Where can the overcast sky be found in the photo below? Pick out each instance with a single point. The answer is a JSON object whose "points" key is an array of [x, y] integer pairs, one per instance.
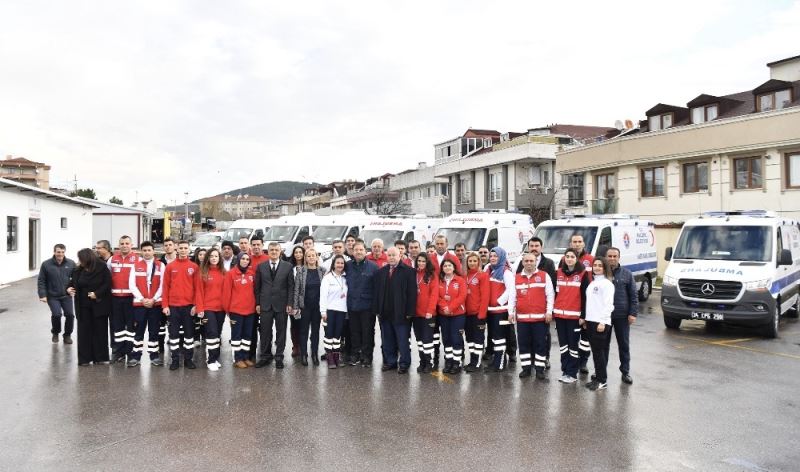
{"points": [[165, 97]]}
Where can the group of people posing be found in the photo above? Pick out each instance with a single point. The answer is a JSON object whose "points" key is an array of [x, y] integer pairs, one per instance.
{"points": [[470, 307]]}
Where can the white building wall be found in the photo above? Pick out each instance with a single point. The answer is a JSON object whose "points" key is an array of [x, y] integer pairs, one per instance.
{"points": [[14, 265]]}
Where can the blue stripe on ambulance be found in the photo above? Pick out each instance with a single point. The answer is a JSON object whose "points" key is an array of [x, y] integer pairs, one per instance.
{"points": [[783, 282], [642, 267]]}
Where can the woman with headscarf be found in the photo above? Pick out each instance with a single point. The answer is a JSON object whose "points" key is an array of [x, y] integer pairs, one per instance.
{"points": [[502, 298]]}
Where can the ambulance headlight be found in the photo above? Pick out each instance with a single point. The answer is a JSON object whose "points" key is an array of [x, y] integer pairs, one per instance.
{"points": [[670, 281], [759, 285]]}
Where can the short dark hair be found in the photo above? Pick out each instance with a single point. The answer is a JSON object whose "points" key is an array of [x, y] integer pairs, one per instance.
{"points": [[145, 244], [348, 237], [460, 245], [105, 243], [256, 238], [413, 241], [360, 242], [307, 238], [124, 236], [183, 241], [429, 245], [483, 247], [613, 248], [400, 242], [60, 246], [227, 244], [337, 241], [536, 239], [244, 237], [168, 239]]}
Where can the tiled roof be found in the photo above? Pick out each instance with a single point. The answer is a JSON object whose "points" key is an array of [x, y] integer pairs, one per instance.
{"points": [[22, 162]]}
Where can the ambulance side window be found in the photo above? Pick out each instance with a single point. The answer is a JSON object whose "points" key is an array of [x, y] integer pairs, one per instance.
{"points": [[259, 233], [409, 236], [605, 237], [491, 240], [353, 231], [780, 242]]}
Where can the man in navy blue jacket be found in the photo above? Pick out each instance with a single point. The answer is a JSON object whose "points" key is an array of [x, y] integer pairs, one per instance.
{"points": [[626, 308], [359, 274]]}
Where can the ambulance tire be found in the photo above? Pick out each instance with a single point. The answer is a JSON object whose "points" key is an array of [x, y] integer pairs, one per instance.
{"points": [[771, 330], [645, 289], [672, 323]]}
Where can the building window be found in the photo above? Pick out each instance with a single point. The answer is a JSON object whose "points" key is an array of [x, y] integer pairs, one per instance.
{"points": [[695, 177], [11, 233], [575, 190], [444, 190], [748, 173], [464, 190], [793, 170], [427, 192], [405, 196], [774, 100], [63, 223], [662, 121], [703, 114], [605, 186], [652, 182], [495, 187]]}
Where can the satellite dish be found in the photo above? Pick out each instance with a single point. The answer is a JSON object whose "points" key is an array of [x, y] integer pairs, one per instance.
{"points": [[628, 124], [618, 124]]}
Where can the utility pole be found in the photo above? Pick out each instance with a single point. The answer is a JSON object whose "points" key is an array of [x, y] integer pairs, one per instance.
{"points": [[186, 223]]}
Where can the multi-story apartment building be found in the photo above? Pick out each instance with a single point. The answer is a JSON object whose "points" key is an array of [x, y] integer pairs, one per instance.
{"points": [[19, 169], [422, 191], [235, 206], [486, 169], [716, 152]]}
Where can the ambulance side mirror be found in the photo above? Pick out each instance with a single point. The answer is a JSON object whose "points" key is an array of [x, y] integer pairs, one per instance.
{"points": [[668, 254], [785, 257], [602, 250]]}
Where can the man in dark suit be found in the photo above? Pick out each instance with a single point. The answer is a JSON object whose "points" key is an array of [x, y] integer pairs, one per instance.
{"points": [[274, 287], [395, 302], [542, 263]]}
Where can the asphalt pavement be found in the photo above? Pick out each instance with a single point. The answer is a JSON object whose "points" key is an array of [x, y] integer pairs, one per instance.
{"points": [[702, 400]]}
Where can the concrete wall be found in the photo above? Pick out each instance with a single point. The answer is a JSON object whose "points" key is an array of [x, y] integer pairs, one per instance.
{"points": [[77, 235]]}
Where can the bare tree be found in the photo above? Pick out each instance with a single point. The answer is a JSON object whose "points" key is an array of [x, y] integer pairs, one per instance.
{"points": [[382, 201], [541, 204]]}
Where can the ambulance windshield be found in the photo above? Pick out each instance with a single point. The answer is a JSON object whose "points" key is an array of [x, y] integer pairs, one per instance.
{"points": [[471, 237], [388, 236], [328, 234], [555, 239], [280, 233], [725, 243], [234, 234]]}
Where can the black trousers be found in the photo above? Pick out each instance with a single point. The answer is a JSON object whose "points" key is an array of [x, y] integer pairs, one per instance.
{"points": [[310, 319], [475, 338], [622, 331], [253, 337], [599, 343], [181, 321], [266, 321], [362, 334], [122, 325], [215, 320], [92, 336]]}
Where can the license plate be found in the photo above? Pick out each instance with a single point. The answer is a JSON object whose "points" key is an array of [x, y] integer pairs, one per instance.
{"points": [[697, 315]]}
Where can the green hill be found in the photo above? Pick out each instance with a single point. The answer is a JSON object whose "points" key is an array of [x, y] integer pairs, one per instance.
{"points": [[282, 190]]}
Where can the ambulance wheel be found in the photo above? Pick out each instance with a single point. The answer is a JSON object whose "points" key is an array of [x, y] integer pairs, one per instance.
{"points": [[645, 289], [771, 330], [672, 323]]}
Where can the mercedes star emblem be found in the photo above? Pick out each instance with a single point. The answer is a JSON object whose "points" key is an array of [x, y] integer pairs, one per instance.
{"points": [[707, 289]]}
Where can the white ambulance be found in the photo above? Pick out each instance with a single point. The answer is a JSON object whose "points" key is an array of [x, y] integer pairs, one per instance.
{"points": [[488, 228], [289, 231], [390, 228], [635, 238], [330, 228], [246, 228], [738, 266]]}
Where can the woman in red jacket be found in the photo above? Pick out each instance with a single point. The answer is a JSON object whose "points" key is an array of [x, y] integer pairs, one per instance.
{"points": [[477, 304], [452, 296], [209, 304], [427, 298], [239, 300]]}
